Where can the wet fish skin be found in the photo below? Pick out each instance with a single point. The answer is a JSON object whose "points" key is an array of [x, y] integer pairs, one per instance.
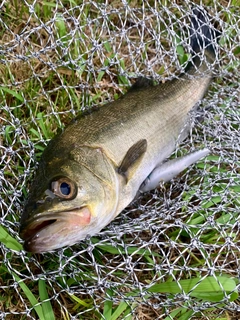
{"points": [[89, 173]]}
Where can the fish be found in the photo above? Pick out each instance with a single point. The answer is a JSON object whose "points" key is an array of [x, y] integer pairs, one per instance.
{"points": [[103, 159]]}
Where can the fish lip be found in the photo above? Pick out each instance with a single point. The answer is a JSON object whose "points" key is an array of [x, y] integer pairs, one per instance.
{"points": [[33, 226], [54, 215]]}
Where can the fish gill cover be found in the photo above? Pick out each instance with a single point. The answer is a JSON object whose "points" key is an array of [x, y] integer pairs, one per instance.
{"points": [[174, 252]]}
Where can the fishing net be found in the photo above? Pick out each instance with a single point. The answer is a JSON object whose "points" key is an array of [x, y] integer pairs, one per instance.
{"points": [[174, 252]]}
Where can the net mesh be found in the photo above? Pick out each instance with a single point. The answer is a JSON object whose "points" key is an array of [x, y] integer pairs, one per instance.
{"points": [[57, 58]]}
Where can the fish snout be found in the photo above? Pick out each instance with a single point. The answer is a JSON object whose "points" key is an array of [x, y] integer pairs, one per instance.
{"points": [[49, 231]]}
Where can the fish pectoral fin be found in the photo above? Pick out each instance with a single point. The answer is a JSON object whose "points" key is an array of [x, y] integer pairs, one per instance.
{"points": [[168, 170], [132, 158]]}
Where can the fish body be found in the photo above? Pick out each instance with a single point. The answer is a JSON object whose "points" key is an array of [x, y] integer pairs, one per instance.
{"points": [[90, 172]]}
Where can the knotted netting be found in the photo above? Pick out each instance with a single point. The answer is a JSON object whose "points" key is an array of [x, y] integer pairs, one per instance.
{"points": [[174, 252]]}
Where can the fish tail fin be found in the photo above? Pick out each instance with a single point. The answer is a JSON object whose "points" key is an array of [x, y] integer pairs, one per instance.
{"points": [[203, 34]]}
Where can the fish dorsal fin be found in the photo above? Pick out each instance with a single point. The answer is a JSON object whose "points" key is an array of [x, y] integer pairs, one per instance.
{"points": [[132, 158], [141, 83]]}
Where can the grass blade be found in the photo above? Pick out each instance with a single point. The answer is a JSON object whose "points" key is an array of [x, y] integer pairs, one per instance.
{"points": [[35, 304], [9, 241], [108, 306], [46, 304], [119, 310], [210, 288], [12, 93]]}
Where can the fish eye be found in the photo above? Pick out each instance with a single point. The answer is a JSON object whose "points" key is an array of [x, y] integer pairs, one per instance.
{"points": [[64, 188]]}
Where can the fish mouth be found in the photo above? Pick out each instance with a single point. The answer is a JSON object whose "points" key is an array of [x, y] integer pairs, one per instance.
{"points": [[49, 231]]}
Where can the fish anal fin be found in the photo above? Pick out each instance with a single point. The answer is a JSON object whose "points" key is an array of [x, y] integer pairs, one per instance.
{"points": [[168, 170], [132, 159]]}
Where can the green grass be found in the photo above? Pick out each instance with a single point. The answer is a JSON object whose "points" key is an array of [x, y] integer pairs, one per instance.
{"points": [[42, 305], [8, 240], [35, 111]]}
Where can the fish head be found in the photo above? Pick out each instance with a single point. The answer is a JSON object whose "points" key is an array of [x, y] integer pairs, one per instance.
{"points": [[66, 203]]}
